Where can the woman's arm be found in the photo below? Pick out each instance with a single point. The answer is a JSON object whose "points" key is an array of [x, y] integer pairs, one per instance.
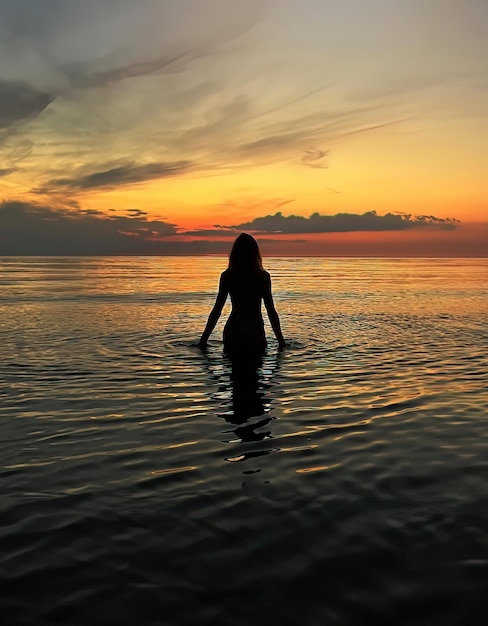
{"points": [[274, 320], [213, 318]]}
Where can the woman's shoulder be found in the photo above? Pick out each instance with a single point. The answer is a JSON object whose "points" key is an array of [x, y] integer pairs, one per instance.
{"points": [[225, 276]]}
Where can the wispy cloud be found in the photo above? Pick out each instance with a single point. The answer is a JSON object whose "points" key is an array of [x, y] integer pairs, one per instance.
{"points": [[118, 176], [83, 76], [212, 232], [20, 102], [207, 94], [313, 157], [122, 79]]}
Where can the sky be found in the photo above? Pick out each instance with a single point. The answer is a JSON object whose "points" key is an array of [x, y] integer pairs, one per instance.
{"points": [[324, 127]]}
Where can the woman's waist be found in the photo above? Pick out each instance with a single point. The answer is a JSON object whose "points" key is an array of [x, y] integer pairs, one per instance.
{"points": [[245, 322]]}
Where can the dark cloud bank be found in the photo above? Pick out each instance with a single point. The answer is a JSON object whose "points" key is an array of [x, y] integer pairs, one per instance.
{"points": [[344, 222], [27, 229], [30, 229]]}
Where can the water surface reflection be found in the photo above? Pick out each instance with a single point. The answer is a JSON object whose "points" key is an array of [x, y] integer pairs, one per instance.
{"points": [[245, 399]]}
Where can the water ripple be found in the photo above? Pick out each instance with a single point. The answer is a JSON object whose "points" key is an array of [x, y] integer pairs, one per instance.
{"points": [[341, 483]]}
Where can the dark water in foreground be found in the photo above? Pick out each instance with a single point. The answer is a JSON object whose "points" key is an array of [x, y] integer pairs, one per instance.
{"points": [[135, 487]]}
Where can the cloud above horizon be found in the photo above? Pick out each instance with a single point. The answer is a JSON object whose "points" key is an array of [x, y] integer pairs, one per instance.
{"points": [[27, 228], [369, 221]]}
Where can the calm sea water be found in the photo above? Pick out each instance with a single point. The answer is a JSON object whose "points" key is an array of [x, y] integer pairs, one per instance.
{"points": [[141, 484]]}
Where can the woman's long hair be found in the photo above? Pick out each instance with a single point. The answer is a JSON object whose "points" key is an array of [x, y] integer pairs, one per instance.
{"points": [[245, 255]]}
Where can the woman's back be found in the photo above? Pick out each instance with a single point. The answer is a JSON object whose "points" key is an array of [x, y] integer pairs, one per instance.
{"points": [[244, 330], [246, 290]]}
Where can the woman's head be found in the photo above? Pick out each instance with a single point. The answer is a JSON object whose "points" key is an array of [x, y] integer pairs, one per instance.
{"points": [[245, 254]]}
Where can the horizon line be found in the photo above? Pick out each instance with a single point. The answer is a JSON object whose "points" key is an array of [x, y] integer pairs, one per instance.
{"points": [[224, 255]]}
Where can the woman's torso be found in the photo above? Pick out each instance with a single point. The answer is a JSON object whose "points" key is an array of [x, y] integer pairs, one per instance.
{"points": [[245, 323]]}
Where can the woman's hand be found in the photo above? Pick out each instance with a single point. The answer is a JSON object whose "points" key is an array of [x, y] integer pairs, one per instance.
{"points": [[202, 344]]}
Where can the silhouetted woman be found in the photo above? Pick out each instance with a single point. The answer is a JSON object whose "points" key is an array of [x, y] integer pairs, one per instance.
{"points": [[248, 284]]}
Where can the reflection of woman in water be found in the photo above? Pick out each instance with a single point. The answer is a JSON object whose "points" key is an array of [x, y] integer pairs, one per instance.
{"points": [[247, 283]]}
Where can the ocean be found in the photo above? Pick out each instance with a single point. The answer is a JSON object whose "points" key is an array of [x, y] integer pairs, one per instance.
{"points": [[142, 483]]}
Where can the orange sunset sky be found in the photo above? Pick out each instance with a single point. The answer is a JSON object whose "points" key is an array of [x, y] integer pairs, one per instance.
{"points": [[166, 127]]}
